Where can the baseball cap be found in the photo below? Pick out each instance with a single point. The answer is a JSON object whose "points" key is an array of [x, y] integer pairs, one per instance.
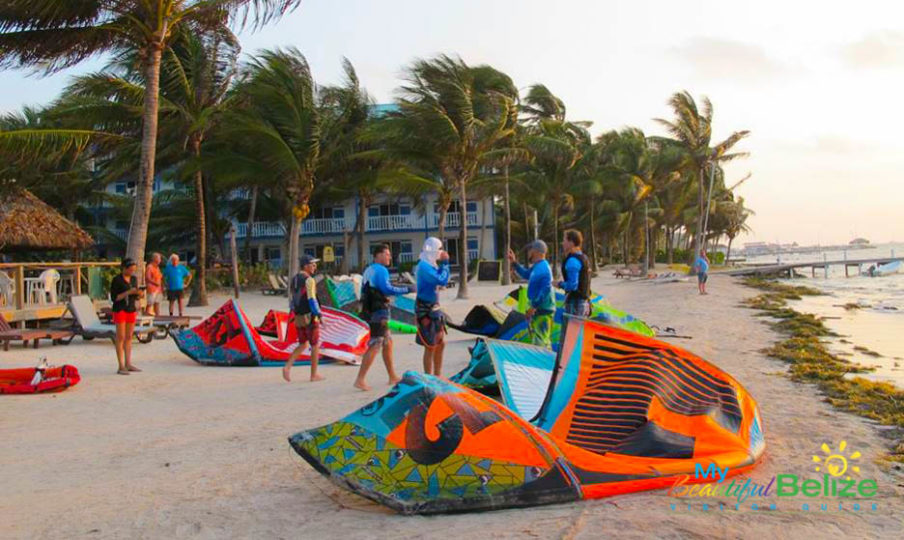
{"points": [[307, 259], [537, 245]]}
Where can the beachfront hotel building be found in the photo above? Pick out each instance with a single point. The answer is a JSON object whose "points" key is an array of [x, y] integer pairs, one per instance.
{"points": [[397, 221]]}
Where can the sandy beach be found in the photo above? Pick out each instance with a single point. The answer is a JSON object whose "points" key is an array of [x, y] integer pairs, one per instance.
{"points": [[186, 451]]}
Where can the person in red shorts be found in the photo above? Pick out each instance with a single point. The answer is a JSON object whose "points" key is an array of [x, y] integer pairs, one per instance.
{"points": [[124, 293], [306, 316]]}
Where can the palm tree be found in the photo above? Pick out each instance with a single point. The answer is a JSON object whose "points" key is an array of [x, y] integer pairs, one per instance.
{"points": [[275, 129], [451, 117], [52, 35], [737, 215], [692, 128]]}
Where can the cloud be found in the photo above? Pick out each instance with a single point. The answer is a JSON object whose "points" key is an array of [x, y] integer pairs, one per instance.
{"points": [[720, 58], [877, 50]]}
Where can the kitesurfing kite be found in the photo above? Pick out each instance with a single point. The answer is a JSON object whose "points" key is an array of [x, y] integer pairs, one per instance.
{"points": [[613, 412], [228, 338]]}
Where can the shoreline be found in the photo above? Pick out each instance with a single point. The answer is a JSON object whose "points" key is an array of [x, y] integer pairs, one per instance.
{"points": [[187, 451]]}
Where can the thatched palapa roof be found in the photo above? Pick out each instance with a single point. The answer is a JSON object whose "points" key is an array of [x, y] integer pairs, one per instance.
{"points": [[28, 223]]}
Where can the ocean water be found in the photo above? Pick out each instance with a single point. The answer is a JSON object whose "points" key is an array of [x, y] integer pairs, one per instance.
{"points": [[878, 325]]}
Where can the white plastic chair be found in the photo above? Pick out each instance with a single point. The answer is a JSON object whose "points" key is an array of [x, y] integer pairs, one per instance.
{"points": [[7, 289], [45, 286]]}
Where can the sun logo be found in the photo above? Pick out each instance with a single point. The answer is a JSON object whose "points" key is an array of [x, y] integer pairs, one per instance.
{"points": [[836, 463]]}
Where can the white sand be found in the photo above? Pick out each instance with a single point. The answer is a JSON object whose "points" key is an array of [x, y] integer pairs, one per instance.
{"points": [[185, 451]]}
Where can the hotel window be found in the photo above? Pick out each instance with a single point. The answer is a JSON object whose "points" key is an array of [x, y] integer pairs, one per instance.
{"points": [[472, 206], [120, 187], [406, 246], [472, 243]]}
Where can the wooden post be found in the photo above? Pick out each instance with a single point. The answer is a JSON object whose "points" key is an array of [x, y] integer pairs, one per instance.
{"points": [[78, 280], [825, 265], [235, 260], [345, 253], [20, 287]]}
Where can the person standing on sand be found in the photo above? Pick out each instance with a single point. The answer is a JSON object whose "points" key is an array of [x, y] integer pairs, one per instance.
{"points": [[375, 293], [539, 292], [124, 293], [701, 265], [306, 316], [576, 275], [432, 272], [153, 278], [176, 282]]}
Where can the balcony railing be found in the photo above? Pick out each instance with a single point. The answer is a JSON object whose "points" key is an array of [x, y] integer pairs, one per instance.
{"points": [[453, 219], [123, 234], [406, 257], [260, 229], [324, 226], [472, 254], [390, 222]]}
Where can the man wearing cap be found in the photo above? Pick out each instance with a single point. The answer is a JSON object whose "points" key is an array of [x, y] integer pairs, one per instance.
{"points": [[124, 293], [306, 316], [539, 292]]}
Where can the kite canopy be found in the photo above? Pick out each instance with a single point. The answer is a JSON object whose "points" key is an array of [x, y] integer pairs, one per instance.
{"points": [[482, 320], [613, 413], [227, 338]]}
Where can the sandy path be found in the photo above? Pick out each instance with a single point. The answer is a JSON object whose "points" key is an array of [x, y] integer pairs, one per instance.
{"points": [[185, 451]]}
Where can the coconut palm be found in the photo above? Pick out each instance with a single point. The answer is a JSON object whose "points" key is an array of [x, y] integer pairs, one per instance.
{"points": [[52, 35], [451, 117], [692, 128], [274, 129]]}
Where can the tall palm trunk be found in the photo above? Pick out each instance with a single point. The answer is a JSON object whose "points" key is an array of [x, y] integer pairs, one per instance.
{"points": [[141, 210], [293, 247], [249, 227], [555, 241], [728, 251], [506, 263], [698, 240], [463, 241], [593, 267], [359, 230], [199, 294], [670, 239], [443, 210], [483, 230]]}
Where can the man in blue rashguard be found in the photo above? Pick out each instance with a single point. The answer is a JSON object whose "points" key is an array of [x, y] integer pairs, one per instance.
{"points": [[539, 292], [375, 293], [432, 272], [576, 274]]}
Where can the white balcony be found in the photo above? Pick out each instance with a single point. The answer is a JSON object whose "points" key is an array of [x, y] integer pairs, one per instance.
{"points": [[390, 223], [406, 257], [472, 254], [324, 226], [122, 234], [453, 219]]}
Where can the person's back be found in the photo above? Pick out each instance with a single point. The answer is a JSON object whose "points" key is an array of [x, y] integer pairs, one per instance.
{"points": [[429, 278], [702, 264]]}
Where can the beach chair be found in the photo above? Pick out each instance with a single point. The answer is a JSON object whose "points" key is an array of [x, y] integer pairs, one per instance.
{"points": [[409, 278], [631, 271], [163, 323], [275, 287], [283, 281], [9, 334], [44, 288], [88, 325]]}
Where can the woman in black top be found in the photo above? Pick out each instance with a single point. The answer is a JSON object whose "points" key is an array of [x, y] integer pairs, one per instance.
{"points": [[125, 293]]}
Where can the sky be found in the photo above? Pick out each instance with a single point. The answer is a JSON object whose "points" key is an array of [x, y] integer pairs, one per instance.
{"points": [[820, 87]]}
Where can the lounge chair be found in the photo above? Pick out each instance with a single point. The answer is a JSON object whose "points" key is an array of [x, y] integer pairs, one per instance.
{"points": [[164, 323], [632, 270], [88, 325], [283, 281], [35, 335], [275, 286], [7, 290]]}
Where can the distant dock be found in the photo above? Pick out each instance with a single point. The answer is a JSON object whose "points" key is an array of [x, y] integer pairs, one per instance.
{"points": [[779, 269]]}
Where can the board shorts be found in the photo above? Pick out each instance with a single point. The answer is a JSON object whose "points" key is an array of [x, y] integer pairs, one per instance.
{"points": [[125, 317], [174, 295], [379, 327], [577, 307], [540, 326], [154, 298], [308, 333], [702, 277], [431, 323]]}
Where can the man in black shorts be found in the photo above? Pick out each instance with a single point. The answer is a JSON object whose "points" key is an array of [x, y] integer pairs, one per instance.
{"points": [[375, 293]]}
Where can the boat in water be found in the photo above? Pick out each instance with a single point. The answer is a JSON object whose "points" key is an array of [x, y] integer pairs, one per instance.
{"points": [[884, 269]]}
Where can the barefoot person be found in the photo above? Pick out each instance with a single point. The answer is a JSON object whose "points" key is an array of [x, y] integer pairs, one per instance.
{"points": [[375, 293], [124, 293], [701, 265], [176, 282], [539, 292], [306, 316], [432, 272], [153, 278], [575, 274]]}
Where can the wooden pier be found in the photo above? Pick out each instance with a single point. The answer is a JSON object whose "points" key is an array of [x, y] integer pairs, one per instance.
{"points": [[780, 269]]}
